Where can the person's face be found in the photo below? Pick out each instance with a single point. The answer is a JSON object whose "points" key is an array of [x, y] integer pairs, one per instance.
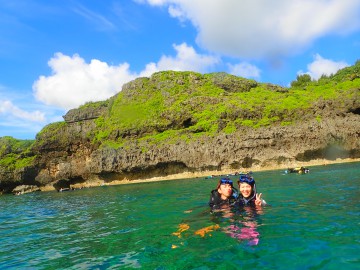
{"points": [[225, 190], [245, 189]]}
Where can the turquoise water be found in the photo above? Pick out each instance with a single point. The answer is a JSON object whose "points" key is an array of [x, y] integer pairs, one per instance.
{"points": [[312, 223]]}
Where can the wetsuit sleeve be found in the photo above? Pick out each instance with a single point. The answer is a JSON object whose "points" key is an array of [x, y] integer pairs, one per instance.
{"points": [[214, 199]]}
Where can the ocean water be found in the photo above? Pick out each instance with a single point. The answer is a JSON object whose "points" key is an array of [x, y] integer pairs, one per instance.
{"points": [[312, 222]]}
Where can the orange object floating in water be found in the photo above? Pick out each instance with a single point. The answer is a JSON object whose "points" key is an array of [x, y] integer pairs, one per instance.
{"points": [[202, 232], [182, 228]]}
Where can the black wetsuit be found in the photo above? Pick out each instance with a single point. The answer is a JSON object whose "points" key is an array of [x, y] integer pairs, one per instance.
{"points": [[241, 201], [216, 202]]}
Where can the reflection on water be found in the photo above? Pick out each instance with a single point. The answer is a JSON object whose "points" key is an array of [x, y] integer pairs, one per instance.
{"points": [[244, 227], [312, 223], [240, 224]]}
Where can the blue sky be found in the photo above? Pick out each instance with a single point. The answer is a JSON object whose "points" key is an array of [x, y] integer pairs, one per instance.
{"points": [[57, 55]]}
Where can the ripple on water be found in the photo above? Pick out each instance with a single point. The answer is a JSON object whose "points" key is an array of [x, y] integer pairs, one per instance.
{"points": [[311, 223], [128, 259]]}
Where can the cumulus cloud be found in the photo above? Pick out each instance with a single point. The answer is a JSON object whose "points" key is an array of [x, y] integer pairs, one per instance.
{"points": [[244, 70], [186, 59], [262, 28], [74, 82], [321, 66], [7, 108]]}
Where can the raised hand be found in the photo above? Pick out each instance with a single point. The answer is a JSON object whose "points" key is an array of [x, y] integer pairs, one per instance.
{"points": [[258, 200]]}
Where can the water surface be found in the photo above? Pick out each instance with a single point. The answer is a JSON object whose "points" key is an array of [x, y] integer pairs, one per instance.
{"points": [[312, 223]]}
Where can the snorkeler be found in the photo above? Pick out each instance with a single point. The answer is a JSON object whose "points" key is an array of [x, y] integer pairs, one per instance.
{"points": [[224, 195], [248, 194]]}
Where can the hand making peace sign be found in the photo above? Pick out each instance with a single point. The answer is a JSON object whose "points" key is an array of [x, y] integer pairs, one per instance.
{"points": [[258, 200]]}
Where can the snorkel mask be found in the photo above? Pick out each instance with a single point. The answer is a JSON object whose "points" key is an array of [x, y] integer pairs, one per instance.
{"points": [[226, 180], [246, 178]]}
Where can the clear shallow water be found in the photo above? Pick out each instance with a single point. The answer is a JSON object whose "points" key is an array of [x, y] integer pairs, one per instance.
{"points": [[312, 223]]}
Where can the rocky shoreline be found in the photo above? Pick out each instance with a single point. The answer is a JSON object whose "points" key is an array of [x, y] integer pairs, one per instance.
{"points": [[192, 175], [177, 125]]}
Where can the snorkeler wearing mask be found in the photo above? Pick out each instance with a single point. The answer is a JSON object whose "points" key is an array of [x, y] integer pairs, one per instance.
{"points": [[224, 195], [248, 194]]}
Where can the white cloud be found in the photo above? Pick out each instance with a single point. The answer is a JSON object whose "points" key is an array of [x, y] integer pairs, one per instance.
{"points": [[75, 82], [152, 2], [101, 22], [7, 108], [186, 59], [263, 28], [245, 70], [322, 66]]}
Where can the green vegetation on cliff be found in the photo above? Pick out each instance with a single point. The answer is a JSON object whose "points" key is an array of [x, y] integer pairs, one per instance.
{"points": [[178, 121], [172, 106], [10, 145], [14, 153]]}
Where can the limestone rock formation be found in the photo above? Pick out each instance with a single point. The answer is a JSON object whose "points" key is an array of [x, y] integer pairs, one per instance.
{"points": [[94, 145], [22, 189]]}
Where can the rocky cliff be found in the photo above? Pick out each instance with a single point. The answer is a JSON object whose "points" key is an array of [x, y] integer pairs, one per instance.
{"points": [[154, 128]]}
